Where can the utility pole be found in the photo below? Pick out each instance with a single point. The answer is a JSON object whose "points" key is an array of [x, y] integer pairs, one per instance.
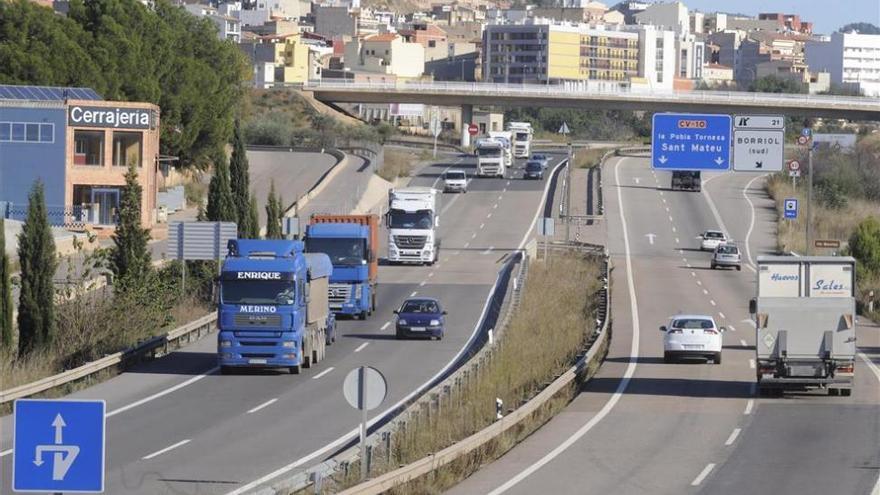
{"points": [[810, 198]]}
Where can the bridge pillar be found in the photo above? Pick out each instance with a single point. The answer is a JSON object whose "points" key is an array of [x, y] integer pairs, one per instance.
{"points": [[467, 117]]}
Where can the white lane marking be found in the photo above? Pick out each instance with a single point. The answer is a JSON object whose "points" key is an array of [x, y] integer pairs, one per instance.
{"points": [[361, 347], [474, 235], [508, 183], [430, 274], [752, 363], [488, 250], [166, 449], [319, 375], [751, 264], [732, 328], [705, 472], [674, 230], [705, 191], [732, 437], [670, 218], [872, 366], [651, 238], [743, 342], [386, 325], [749, 405], [265, 404], [699, 282], [627, 375], [5, 453], [676, 240], [162, 393], [722, 315], [495, 206], [712, 302], [414, 293], [466, 245], [422, 283], [705, 292], [684, 259], [751, 322], [693, 274], [689, 265], [489, 215], [482, 225], [636, 179]]}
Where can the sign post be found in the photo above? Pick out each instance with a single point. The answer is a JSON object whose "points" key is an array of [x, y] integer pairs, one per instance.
{"points": [[435, 127], [794, 170], [199, 241], [690, 142], [565, 131], [59, 446], [365, 389], [758, 143], [546, 229]]}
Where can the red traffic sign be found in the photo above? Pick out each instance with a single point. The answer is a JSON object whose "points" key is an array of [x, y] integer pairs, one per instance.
{"points": [[794, 165], [803, 139], [473, 129]]}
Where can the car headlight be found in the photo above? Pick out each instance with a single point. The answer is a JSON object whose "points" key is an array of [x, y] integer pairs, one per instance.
{"points": [[435, 323], [225, 343], [358, 290], [289, 344], [401, 322]]}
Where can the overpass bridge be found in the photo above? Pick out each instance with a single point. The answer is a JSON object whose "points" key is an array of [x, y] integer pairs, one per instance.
{"points": [[532, 95]]}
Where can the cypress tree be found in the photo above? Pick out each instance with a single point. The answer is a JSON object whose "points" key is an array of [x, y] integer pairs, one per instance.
{"points": [[240, 183], [221, 206], [130, 257], [273, 214], [36, 253], [254, 218], [5, 293]]}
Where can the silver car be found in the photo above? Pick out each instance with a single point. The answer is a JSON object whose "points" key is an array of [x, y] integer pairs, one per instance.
{"points": [[727, 255]]}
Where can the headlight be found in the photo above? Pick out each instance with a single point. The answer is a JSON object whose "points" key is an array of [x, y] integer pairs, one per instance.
{"points": [[225, 343], [401, 322], [225, 355], [290, 344], [358, 290], [435, 323]]}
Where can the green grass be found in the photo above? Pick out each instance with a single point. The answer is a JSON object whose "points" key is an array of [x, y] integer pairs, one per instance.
{"points": [[588, 158], [399, 163]]}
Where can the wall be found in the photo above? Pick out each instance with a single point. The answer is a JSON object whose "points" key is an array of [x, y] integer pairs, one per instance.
{"points": [[334, 22], [23, 163], [826, 56], [563, 54]]}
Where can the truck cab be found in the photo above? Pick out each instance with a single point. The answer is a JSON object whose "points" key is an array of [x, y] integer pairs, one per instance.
{"points": [[522, 138], [413, 222], [491, 158]]}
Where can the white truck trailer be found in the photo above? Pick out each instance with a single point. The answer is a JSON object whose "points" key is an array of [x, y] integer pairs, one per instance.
{"points": [[491, 158], [413, 222], [505, 137], [522, 138], [804, 315]]}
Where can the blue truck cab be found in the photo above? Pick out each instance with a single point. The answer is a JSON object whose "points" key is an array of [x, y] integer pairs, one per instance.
{"points": [[273, 310]]}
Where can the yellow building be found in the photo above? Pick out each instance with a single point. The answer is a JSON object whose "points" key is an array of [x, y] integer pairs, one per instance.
{"points": [[281, 59]]}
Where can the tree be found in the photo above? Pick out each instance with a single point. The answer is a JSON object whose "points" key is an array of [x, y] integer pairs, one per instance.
{"points": [[864, 246], [861, 28], [240, 185], [773, 84], [221, 204], [130, 257], [254, 218], [274, 212], [36, 254], [5, 293]]}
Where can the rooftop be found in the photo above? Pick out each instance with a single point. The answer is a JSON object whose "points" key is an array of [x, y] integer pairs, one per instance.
{"points": [[46, 93], [382, 37]]}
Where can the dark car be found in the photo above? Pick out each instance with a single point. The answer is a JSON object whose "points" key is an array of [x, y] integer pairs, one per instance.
{"points": [[534, 170], [422, 317]]}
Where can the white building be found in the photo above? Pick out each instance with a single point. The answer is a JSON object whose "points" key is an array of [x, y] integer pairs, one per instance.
{"points": [[672, 16], [852, 59], [226, 18]]}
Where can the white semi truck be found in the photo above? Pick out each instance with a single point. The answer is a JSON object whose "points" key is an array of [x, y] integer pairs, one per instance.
{"points": [[491, 158], [413, 221], [804, 316], [522, 138], [505, 137]]}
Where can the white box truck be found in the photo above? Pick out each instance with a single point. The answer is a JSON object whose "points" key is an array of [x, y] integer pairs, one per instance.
{"points": [[491, 158], [413, 221], [522, 138], [804, 315]]}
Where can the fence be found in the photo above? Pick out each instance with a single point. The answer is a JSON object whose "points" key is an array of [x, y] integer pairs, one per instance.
{"points": [[69, 216]]}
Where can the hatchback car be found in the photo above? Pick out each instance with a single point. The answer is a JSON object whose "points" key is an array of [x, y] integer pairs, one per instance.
{"points": [[692, 336], [455, 181], [727, 256], [710, 239], [534, 170], [422, 317]]}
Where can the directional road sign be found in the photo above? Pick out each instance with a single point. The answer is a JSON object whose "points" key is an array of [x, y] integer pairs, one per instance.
{"points": [[690, 142], [758, 143], [58, 446], [791, 208]]}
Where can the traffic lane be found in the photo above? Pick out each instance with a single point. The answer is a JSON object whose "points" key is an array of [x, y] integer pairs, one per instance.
{"points": [[312, 415]]}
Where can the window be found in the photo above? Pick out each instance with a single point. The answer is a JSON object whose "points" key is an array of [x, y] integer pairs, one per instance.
{"points": [[5, 131], [27, 132], [432, 44], [47, 133], [32, 132], [88, 148], [126, 149], [17, 131]]}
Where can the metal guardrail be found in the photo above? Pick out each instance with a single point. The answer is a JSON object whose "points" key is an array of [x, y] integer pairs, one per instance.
{"points": [[156, 347]]}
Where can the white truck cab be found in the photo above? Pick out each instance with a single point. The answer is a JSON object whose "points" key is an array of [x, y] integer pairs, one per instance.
{"points": [[491, 158], [413, 219], [522, 138]]}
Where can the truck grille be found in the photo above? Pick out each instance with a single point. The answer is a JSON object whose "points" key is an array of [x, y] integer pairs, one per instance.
{"points": [[258, 321], [337, 294], [410, 241]]}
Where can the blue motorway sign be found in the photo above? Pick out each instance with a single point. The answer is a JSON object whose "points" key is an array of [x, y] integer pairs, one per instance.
{"points": [[690, 142], [58, 446], [791, 208]]}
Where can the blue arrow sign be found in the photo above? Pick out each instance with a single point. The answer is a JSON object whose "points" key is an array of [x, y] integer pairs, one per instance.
{"points": [[690, 142], [791, 208], [58, 446]]}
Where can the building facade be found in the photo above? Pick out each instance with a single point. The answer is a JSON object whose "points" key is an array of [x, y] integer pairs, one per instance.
{"points": [[385, 54], [851, 59], [80, 147]]}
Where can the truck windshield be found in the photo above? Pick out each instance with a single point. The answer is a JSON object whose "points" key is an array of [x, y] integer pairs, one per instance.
{"points": [[489, 152], [342, 251], [257, 292], [399, 219], [522, 136]]}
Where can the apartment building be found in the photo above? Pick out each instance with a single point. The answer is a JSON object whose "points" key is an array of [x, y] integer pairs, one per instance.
{"points": [[278, 59], [225, 18], [385, 53], [852, 60]]}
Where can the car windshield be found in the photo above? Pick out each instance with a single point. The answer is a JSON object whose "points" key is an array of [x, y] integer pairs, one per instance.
{"points": [[713, 235], [399, 219], [533, 166], [257, 292], [539, 157], [454, 175], [692, 323], [489, 152], [728, 250], [420, 307], [342, 251]]}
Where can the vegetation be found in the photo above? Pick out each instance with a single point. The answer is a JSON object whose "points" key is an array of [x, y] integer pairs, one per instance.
{"points": [[274, 214], [861, 28], [602, 125], [774, 84], [36, 252], [397, 163], [240, 186], [6, 329], [126, 51], [221, 203], [131, 261], [588, 157]]}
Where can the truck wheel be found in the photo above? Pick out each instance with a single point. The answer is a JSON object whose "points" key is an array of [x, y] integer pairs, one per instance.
{"points": [[226, 370], [845, 392], [713, 266], [739, 268], [307, 356], [833, 391], [294, 370], [717, 358], [667, 358]]}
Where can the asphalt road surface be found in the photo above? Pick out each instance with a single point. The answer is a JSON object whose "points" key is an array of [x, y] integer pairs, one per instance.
{"points": [[645, 427], [177, 426]]}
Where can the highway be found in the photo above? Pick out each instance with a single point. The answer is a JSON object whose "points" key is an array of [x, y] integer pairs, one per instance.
{"points": [[642, 426], [177, 426]]}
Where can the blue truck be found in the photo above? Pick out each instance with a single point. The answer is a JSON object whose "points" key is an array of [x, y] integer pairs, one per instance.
{"points": [[351, 243], [273, 310]]}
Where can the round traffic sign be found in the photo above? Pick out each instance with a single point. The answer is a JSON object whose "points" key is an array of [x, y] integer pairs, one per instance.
{"points": [[806, 132], [364, 388], [794, 165], [473, 129], [803, 139]]}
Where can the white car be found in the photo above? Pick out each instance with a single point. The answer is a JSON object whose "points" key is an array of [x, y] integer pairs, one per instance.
{"points": [[727, 255], [455, 180], [692, 336], [711, 239]]}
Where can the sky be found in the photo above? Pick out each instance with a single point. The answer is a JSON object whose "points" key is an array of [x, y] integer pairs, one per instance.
{"points": [[827, 16]]}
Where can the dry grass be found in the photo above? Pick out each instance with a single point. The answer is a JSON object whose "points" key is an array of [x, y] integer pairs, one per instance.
{"points": [[558, 304], [398, 163], [588, 158]]}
